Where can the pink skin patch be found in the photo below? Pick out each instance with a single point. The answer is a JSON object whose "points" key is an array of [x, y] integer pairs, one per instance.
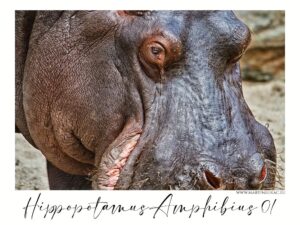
{"points": [[113, 162]]}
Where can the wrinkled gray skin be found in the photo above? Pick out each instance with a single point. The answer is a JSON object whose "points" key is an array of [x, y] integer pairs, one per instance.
{"points": [[83, 78]]}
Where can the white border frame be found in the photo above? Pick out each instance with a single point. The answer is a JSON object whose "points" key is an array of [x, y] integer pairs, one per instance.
{"points": [[13, 201]]}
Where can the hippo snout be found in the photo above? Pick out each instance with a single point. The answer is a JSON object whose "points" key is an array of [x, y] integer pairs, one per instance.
{"points": [[213, 176], [249, 176]]}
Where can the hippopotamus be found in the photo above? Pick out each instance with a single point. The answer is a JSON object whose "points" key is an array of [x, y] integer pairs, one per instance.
{"points": [[139, 100]]}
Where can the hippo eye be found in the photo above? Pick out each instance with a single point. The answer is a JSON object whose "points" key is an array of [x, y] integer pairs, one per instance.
{"points": [[158, 52], [155, 50], [153, 58], [133, 12]]}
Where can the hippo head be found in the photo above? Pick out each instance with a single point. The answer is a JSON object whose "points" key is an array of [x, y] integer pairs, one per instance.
{"points": [[194, 129], [156, 99]]}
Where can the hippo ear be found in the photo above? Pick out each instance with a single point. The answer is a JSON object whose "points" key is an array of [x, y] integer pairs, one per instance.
{"points": [[133, 12]]}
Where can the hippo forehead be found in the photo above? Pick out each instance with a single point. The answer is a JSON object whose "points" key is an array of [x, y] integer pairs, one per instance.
{"points": [[207, 35], [180, 22]]}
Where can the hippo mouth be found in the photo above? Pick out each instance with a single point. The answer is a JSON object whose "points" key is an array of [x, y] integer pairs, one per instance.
{"points": [[115, 157]]}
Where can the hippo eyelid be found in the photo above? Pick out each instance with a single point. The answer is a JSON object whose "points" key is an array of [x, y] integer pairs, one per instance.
{"points": [[155, 50], [138, 13]]}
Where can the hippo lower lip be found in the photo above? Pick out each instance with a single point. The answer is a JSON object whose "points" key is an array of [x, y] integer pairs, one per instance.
{"points": [[116, 155], [113, 162]]}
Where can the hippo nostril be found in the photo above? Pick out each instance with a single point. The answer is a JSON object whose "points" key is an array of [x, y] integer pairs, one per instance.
{"points": [[258, 180], [263, 174], [212, 180]]}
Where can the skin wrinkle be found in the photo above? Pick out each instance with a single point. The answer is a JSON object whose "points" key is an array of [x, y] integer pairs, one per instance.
{"points": [[205, 118], [68, 143], [139, 80], [84, 51], [81, 131], [125, 179], [61, 154]]}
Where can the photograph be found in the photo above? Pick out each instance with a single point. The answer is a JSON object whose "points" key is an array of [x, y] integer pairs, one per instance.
{"points": [[150, 100]]}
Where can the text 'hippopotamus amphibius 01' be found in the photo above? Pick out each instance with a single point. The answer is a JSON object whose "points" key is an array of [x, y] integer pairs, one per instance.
{"points": [[139, 100]]}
